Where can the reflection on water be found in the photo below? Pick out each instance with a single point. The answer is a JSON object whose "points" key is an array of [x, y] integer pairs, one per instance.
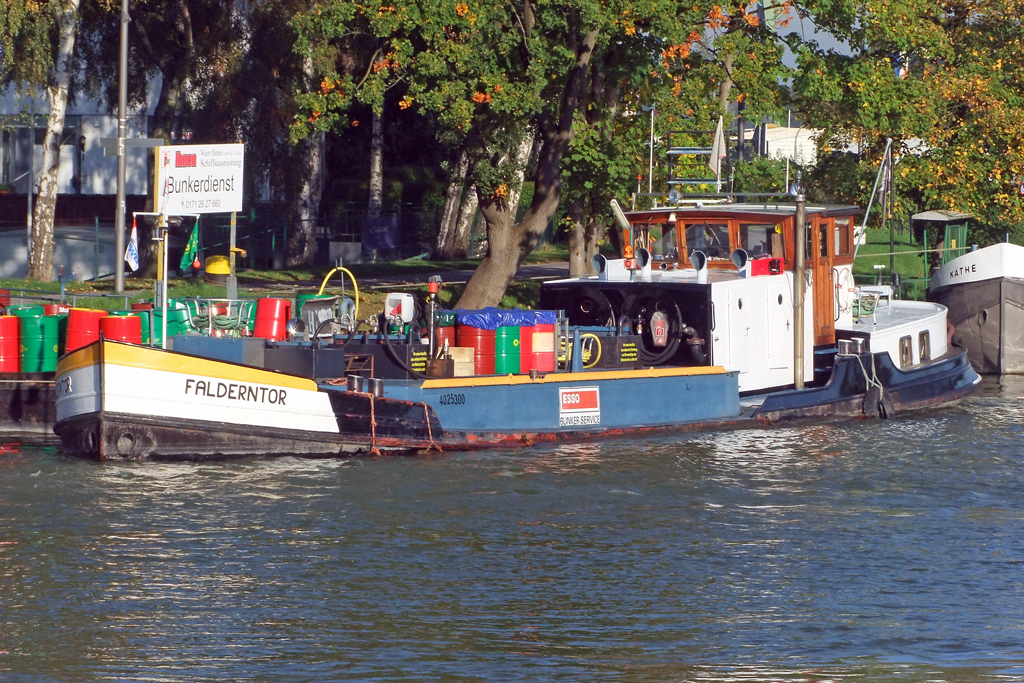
{"points": [[878, 551]]}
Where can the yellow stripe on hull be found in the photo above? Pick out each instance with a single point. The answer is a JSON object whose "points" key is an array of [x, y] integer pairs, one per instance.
{"points": [[562, 377], [128, 355]]}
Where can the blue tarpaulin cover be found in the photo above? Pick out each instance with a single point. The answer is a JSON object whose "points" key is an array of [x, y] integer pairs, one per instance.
{"points": [[483, 319], [546, 317], [492, 318], [517, 317]]}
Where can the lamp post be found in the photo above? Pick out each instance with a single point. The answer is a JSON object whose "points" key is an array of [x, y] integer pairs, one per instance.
{"points": [[122, 124]]}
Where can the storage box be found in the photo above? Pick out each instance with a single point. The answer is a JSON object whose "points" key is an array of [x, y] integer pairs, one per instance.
{"points": [[463, 357], [766, 266]]}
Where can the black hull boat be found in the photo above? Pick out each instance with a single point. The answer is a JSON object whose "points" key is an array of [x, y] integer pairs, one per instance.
{"points": [[984, 292]]}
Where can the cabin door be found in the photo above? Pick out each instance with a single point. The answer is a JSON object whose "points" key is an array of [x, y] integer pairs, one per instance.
{"points": [[821, 258]]}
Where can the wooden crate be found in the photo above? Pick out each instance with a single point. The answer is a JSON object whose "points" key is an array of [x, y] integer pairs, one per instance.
{"points": [[463, 357]]}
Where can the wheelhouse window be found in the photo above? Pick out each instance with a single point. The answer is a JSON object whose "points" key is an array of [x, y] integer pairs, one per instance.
{"points": [[710, 238], [661, 240], [844, 236], [823, 240], [759, 239]]}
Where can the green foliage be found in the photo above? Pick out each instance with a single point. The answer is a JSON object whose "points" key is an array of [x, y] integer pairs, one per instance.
{"points": [[942, 80], [763, 175]]}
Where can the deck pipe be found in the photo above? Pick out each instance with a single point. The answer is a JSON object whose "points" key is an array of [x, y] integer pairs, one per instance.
{"points": [[800, 191]]}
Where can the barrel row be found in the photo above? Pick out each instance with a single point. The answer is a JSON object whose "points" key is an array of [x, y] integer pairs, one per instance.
{"points": [[503, 342]]}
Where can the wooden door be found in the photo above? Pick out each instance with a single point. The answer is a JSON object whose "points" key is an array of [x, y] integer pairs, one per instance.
{"points": [[820, 259]]}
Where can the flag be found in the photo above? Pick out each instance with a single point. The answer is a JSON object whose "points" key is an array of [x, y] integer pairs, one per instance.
{"points": [[191, 255], [131, 253], [718, 151]]}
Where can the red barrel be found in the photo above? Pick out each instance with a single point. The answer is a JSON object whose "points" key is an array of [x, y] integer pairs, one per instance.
{"points": [[5, 298], [143, 306], [482, 343], [56, 309], [542, 347], [83, 327], [444, 334], [126, 328], [526, 349], [9, 344], [271, 318]]}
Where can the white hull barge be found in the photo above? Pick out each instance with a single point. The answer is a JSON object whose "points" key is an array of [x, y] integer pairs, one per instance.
{"points": [[984, 292]]}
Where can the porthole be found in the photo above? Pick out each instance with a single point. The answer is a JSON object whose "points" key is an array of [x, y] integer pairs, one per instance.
{"points": [[739, 303], [906, 352], [780, 299]]}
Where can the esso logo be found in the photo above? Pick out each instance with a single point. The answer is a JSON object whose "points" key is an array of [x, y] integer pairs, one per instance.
{"points": [[570, 399]]}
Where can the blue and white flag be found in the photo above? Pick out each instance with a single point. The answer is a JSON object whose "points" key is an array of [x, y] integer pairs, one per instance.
{"points": [[131, 253]]}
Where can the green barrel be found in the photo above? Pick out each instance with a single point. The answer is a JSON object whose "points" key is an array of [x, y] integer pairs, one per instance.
{"points": [[39, 336], [506, 350], [26, 311], [62, 331], [177, 322], [144, 317]]}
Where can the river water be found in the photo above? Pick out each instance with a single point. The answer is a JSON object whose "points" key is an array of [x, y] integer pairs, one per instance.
{"points": [[852, 551]]}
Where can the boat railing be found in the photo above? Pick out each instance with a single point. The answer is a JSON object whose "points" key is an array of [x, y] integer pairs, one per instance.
{"points": [[868, 298], [219, 317]]}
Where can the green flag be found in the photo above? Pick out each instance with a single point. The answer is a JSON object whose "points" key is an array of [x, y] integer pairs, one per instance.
{"points": [[191, 251]]}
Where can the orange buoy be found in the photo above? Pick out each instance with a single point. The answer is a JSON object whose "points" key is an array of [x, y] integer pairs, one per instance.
{"points": [[9, 344], [126, 328], [271, 318], [83, 327]]}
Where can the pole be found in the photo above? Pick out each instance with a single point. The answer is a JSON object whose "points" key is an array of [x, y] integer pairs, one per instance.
{"points": [[886, 210], [163, 282], [871, 199], [31, 181], [650, 162], [232, 290], [800, 190], [122, 124]]}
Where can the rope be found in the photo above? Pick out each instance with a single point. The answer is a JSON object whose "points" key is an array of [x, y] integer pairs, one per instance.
{"points": [[868, 381], [373, 428], [430, 433]]}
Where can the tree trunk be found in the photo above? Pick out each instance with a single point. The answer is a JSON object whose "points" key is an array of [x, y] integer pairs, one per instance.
{"points": [[594, 232], [725, 88], [40, 264], [578, 261], [302, 246], [522, 157], [467, 213], [510, 244], [450, 215], [376, 167]]}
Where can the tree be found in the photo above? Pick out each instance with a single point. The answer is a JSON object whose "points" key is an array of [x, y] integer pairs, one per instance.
{"points": [[943, 81], [38, 41], [492, 74]]}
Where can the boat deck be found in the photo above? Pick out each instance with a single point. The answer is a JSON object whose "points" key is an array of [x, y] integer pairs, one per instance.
{"points": [[889, 315]]}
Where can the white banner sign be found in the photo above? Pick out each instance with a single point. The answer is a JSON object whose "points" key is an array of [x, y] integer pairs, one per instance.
{"points": [[198, 179]]}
